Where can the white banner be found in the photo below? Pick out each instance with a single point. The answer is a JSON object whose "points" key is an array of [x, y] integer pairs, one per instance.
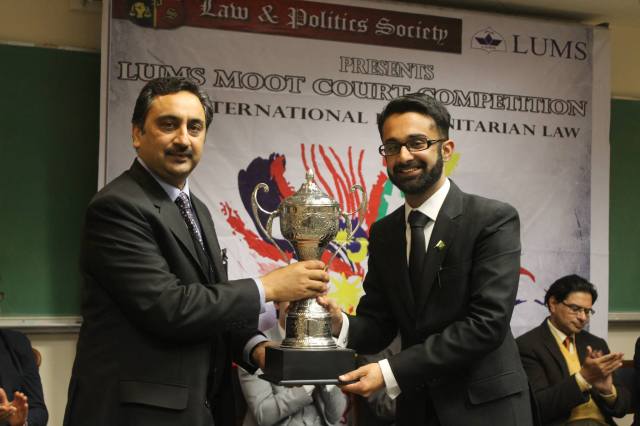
{"points": [[298, 84]]}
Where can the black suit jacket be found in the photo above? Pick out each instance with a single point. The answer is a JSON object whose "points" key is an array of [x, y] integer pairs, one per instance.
{"points": [[556, 392], [19, 372], [159, 330], [458, 356]]}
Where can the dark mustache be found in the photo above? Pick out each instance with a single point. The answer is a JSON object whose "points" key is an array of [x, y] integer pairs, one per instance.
{"points": [[177, 151], [408, 165]]}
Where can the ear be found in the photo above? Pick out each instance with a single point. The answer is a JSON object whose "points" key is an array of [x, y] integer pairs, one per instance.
{"points": [[135, 136], [447, 149], [553, 304]]}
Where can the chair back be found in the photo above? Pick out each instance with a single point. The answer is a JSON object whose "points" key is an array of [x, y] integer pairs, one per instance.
{"points": [[626, 375], [37, 356]]}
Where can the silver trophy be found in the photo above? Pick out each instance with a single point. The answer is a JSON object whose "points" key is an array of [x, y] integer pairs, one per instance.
{"points": [[309, 221]]}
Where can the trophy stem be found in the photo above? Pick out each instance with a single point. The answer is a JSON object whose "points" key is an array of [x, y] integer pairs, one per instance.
{"points": [[308, 326]]}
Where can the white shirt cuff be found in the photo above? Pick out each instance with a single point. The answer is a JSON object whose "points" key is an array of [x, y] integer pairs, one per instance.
{"points": [[267, 319], [393, 390], [343, 337], [258, 282], [246, 353]]}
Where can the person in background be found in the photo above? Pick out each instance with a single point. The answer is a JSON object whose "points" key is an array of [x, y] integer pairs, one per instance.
{"points": [[21, 396], [570, 369], [308, 405]]}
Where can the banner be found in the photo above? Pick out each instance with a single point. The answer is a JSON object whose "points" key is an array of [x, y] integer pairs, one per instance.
{"points": [[297, 85]]}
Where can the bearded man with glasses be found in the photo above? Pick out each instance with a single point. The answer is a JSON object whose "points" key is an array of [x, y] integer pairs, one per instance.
{"points": [[443, 273], [570, 369]]}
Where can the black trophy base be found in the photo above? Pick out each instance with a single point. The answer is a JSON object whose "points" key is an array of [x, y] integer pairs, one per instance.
{"points": [[294, 367]]}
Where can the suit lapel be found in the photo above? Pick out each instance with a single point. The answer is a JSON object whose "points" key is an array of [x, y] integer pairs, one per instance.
{"points": [[444, 231], [551, 346], [167, 210], [210, 238]]}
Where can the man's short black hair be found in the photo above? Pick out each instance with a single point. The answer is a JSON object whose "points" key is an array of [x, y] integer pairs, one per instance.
{"points": [[166, 86], [564, 286], [422, 104]]}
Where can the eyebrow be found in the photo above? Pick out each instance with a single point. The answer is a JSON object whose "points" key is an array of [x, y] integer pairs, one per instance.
{"points": [[167, 117], [579, 306], [176, 118], [411, 136]]}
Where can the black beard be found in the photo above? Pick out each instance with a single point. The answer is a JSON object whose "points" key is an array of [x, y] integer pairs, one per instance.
{"points": [[421, 183]]}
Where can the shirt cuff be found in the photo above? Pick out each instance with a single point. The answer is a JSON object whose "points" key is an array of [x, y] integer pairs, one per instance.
{"points": [[246, 353], [343, 337], [582, 383], [610, 399], [258, 282], [393, 390], [268, 319]]}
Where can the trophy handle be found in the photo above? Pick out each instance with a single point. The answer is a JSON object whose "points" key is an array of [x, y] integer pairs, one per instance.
{"points": [[272, 215], [362, 208]]}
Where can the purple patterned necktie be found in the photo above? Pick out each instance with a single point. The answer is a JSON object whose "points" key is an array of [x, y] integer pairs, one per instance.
{"points": [[189, 217]]}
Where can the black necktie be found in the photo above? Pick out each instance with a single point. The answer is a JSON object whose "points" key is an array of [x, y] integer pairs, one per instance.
{"points": [[189, 218], [417, 252]]}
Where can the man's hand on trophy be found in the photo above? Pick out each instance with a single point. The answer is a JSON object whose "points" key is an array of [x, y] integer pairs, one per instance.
{"points": [[335, 311], [300, 280], [363, 381]]}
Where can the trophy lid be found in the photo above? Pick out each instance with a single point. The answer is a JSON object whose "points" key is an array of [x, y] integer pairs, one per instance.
{"points": [[310, 194]]}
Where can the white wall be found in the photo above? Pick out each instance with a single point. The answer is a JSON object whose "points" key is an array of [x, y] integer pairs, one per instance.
{"points": [[55, 22], [58, 352]]}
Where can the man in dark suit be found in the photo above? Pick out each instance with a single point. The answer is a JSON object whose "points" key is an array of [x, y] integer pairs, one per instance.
{"points": [[161, 322], [20, 381], [570, 369], [448, 287]]}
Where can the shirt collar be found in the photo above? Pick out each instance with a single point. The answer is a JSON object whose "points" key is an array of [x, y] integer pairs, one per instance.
{"points": [[171, 190], [432, 205], [557, 334]]}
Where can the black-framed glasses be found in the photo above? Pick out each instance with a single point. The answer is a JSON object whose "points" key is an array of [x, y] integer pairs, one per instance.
{"points": [[413, 144], [575, 309]]}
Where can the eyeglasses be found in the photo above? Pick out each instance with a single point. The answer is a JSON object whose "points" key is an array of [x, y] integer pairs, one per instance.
{"points": [[413, 144], [575, 309]]}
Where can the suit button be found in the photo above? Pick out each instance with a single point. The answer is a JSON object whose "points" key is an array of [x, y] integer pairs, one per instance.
{"points": [[207, 403]]}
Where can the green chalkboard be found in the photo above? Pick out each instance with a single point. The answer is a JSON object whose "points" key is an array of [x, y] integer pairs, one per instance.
{"points": [[49, 110], [624, 213]]}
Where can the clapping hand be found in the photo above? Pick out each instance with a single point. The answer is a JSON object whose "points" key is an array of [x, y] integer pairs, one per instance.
{"points": [[15, 412], [598, 369]]}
